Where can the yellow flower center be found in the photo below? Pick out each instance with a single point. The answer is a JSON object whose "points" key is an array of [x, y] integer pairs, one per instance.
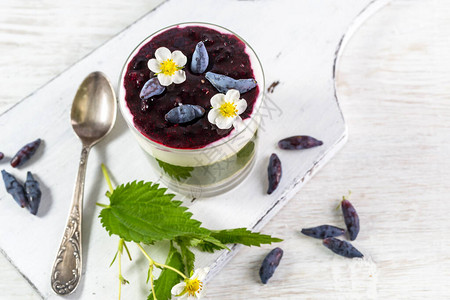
{"points": [[168, 67], [228, 110], [193, 286]]}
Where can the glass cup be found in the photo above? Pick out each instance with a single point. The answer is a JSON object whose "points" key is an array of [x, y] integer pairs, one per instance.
{"points": [[219, 166]]}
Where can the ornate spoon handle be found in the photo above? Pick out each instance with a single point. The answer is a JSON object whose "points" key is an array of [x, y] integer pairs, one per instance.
{"points": [[66, 272]]}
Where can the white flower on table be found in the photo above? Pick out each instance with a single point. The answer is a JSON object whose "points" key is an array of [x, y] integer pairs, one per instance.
{"points": [[191, 288], [226, 109], [168, 66]]}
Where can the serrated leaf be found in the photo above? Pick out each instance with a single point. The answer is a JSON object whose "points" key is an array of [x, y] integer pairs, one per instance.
{"points": [[176, 172], [206, 243], [207, 247], [212, 240], [144, 213], [187, 254], [168, 278], [243, 236]]}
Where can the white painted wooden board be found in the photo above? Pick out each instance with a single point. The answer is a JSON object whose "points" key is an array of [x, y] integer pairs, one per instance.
{"points": [[60, 154]]}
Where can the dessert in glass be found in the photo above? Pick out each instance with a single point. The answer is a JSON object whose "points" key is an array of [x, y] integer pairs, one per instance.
{"points": [[191, 94]]}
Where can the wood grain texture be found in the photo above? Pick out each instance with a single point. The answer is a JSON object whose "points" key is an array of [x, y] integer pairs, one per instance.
{"points": [[394, 90], [245, 206], [72, 29]]}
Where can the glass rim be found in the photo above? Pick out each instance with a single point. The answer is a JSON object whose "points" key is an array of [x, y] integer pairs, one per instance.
{"points": [[127, 114]]}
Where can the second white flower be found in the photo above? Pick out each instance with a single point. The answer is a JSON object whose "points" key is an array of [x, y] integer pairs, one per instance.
{"points": [[191, 288], [226, 109]]}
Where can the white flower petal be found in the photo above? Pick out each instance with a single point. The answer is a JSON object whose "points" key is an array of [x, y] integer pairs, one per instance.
{"points": [[163, 54], [179, 77], [165, 80], [179, 58], [224, 122], [241, 106], [201, 273], [191, 298], [178, 288], [232, 95], [154, 65], [212, 115], [217, 100], [238, 124]]}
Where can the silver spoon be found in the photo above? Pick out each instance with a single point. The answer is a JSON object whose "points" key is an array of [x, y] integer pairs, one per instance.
{"points": [[93, 115]]}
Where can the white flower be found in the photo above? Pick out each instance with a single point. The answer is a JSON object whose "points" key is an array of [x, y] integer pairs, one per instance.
{"points": [[226, 109], [191, 288], [168, 66]]}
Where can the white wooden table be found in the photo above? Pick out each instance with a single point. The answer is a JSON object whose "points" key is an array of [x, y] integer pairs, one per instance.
{"points": [[394, 88]]}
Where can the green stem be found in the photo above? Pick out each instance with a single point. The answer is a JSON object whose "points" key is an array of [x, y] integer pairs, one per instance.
{"points": [[120, 274], [102, 205], [120, 250], [347, 197], [170, 268], [151, 282], [152, 262], [344, 198], [108, 180], [128, 251]]}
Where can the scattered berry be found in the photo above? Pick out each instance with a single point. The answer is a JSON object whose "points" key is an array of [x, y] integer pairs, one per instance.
{"points": [[299, 142], [25, 153], [33, 193], [323, 231], [15, 189], [274, 173], [342, 248], [351, 219], [269, 264]]}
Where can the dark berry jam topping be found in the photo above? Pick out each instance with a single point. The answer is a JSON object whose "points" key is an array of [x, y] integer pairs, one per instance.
{"points": [[226, 56]]}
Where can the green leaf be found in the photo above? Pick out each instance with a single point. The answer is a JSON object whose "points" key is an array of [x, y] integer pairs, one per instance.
{"points": [[208, 247], [144, 213], [168, 278], [176, 172], [187, 254], [243, 236], [206, 244], [234, 236], [114, 259], [213, 241]]}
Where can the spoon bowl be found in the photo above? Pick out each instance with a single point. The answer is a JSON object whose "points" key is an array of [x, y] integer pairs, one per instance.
{"points": [[93, 116], [93, 111]]}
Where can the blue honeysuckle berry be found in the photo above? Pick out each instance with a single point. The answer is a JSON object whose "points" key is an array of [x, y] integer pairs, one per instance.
{"points": [[184, 113], [224, 83]]}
